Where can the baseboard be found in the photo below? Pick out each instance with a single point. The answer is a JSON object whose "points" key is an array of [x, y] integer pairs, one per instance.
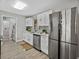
{"points": [[27, 42], [18, 40]]}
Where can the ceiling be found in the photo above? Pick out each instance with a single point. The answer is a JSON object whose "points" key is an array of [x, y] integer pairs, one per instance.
{"points": [[36, 6]]}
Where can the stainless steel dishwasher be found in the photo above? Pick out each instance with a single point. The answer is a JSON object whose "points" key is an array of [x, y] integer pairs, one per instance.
{"points": [[36, 41]]}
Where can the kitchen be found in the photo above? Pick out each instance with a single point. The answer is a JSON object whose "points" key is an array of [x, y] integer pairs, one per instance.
{"points": [[51, 31], [45, 40], [38, 27]]}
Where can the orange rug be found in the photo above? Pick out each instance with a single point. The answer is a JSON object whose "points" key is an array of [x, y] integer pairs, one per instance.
{"points": [[26, 46]]}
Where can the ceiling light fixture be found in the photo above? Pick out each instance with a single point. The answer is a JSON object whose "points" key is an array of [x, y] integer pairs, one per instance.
{"points": [[20, 5]]}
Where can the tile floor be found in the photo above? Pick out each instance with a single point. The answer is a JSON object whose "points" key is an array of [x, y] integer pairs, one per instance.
{"points": [[12, 50]]}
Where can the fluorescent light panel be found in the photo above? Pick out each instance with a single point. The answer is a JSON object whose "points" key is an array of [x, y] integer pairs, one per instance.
{"points": [[20, 5]]}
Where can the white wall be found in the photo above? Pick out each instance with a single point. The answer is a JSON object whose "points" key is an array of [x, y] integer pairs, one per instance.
{"points": [[20, 23], [0, 24]]}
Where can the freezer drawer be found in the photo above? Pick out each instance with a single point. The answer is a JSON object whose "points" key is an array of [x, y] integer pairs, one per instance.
{"points": [[62, 50], [68, 51], [53, 49], [72, 51], [36, 41]]}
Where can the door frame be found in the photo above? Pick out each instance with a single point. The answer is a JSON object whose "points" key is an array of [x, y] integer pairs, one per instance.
{"points": [[2, 24]]}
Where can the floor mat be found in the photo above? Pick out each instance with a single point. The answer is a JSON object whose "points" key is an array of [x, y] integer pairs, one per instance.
{"points": [[25, 46]]}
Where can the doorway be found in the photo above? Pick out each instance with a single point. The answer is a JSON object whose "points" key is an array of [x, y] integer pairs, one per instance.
{"points": [[8, 28]]}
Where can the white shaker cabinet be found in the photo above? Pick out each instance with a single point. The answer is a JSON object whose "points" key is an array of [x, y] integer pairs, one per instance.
{"points": [[40, 20], [28, 37], [43, 19], [29, 22], [44, 44]]}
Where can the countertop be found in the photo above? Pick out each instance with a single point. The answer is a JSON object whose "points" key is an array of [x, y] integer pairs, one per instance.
{"points": [[43, 34]]}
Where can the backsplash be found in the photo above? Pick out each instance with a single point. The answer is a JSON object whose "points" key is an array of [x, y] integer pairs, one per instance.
{"points": [[41, 28]]}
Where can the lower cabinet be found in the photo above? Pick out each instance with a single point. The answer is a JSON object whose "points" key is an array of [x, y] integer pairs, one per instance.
{"points": [[28, 37], [44, 44], [40, 42]]}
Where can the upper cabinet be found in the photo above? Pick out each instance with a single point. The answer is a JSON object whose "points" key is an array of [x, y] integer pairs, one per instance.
{"points": [[43, 19], [29, 21]]}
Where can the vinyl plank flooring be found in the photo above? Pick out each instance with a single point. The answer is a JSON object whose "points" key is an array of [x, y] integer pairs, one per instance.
{"points": [[12, 50]]}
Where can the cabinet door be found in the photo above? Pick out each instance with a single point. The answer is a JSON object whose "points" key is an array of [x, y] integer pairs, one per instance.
{"points": [[39, 20], [29, 22], [44, 44], [30, 38], [46, 19], [43, 19], [36, 41], [53, 49]]}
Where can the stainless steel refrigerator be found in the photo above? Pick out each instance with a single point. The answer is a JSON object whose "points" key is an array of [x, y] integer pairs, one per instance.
{"points": [[69, 44], [63, 37], [54, 37]]}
